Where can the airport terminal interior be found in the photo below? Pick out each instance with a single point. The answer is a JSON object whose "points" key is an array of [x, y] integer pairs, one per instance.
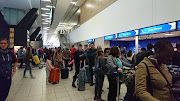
{"points": [[89, 50]]}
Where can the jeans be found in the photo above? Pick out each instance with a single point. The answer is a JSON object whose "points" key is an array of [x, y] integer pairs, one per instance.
{"points": [[47, 74], [5, 85], [77, 67], [27, 66], [99, 85], [112, 87]]}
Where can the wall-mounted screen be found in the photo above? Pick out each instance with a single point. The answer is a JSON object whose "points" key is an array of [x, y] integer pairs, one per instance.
{"points": [[158, 29], [178, 25], [90, 40], [110, 37], [128, 34]]}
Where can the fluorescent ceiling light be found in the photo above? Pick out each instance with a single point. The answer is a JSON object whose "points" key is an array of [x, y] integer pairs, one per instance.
{"points": [[79, 11], [48, 13], [50, 6], [44, 23], [44, 15], [74, 3], [62, 23], [47, 21], [46, 0], [47, 9], [168, 34]]}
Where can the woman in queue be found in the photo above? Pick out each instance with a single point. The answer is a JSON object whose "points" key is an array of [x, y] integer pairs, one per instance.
{"points": [[114, 66]]}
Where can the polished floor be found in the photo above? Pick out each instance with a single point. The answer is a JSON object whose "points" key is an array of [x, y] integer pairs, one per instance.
{"points": [[27, 89]]}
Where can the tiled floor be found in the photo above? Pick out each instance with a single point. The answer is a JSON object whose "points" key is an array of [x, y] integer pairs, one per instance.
{"points": [[27, 89]]}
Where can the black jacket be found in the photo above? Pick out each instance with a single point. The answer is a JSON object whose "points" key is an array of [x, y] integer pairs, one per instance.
{"points": [[76, 56], [91, 56]]}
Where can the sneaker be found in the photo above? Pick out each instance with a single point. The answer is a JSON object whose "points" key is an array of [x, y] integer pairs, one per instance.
{"points": [[92, 84], [24, 77], [73, 85], [32, 77], [47, 83]]}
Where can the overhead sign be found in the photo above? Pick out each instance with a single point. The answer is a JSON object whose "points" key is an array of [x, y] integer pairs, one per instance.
{"points": [[158, 29], [128, 34], [90, 40], [178, 25], [110, 37]]}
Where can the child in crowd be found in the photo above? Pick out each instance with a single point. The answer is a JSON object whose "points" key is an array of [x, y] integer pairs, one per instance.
{"points": [[48, 68]]}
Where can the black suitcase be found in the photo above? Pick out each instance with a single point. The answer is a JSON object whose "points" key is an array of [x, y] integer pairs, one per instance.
{"points": [[64, 73]]}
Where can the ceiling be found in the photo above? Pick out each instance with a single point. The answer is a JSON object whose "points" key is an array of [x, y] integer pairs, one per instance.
{"points": [[152, 36], [25, 5], [65, 11]]}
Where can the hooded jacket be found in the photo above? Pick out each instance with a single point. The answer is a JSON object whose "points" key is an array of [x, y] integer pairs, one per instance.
{"points": [[6, 59]]}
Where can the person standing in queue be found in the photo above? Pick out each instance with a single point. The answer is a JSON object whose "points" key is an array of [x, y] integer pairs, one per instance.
{"points": [[58, 58], [7, 59], [79, 63], [27, 60], [99, 75], [156, 88], [91, 56], [114, 66]]}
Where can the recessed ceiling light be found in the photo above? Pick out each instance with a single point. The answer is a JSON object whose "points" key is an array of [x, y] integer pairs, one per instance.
{"points": [[74, 3], [168, 34], [44, 23], [50, 6], [45, 9], [44, 15]]}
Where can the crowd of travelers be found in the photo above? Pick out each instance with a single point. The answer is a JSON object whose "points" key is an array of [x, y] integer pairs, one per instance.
{"points": [[145, 74]]}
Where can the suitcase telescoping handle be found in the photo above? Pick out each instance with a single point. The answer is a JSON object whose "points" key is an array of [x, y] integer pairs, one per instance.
{"points": [[118, 88]]}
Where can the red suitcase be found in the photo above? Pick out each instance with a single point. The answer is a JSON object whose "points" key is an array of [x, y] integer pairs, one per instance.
{"points": [[54, 75]]}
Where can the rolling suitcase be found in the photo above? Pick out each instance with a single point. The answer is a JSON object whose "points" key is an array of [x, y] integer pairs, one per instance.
{"points": [[36, 58], [54, 75], [64, 73], [81, 79], [87, 74]]}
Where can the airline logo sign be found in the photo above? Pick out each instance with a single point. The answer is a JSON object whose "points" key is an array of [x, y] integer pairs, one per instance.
{"points": [[158, 29], [128, 34], [110, 37], [178, 24], [90, 40]]}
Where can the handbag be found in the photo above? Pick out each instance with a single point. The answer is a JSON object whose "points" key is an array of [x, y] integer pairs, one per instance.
{"points": [[172, 88]]}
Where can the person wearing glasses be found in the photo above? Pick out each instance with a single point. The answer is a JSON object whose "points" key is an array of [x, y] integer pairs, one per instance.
{"points": [[7, 59]]}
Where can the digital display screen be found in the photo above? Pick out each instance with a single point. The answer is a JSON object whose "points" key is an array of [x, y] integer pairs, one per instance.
{"points": [[178, 25], [110, 37], [90, 40], [128, 34], [158, 29]]}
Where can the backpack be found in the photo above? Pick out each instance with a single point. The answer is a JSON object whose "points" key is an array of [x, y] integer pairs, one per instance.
{"points": [[97, 69]]}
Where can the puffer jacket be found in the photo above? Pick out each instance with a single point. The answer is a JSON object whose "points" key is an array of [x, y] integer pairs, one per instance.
{"points": [[159, 85]]}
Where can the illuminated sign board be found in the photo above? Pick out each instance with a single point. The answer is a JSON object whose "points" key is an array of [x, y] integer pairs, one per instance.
{"points": [[90, 40], [128, 34], [178, 25], [110, 37], [158, 29]]}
